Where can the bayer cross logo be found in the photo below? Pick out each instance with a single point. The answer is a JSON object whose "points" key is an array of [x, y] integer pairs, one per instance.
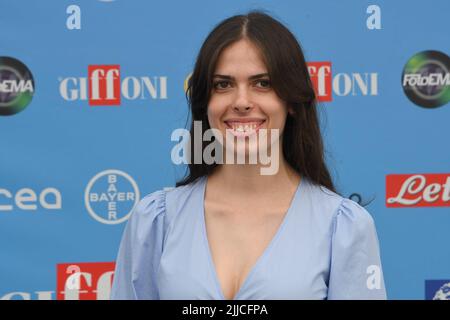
{"points": [[110, 196]]}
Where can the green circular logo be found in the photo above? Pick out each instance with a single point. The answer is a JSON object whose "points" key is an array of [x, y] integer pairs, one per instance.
{"points": [[16, 86], [426, 79]]}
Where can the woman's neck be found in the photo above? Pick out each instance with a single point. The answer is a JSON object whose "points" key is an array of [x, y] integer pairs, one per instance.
{"points": [[247, 178]]}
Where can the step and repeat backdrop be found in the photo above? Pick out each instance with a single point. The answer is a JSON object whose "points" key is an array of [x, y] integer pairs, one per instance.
{"points": [[91, 91]]}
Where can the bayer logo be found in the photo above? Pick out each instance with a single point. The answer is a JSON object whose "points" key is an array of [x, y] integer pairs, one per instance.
{"points": [[110, 196]]}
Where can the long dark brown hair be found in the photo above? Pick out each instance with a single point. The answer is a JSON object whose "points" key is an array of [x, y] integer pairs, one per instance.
{"points": [[302, 141]]}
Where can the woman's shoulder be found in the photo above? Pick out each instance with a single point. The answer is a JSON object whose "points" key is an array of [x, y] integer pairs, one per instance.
{"points": [[150, 206], [162, 201], [185, 191], [337, 207]]}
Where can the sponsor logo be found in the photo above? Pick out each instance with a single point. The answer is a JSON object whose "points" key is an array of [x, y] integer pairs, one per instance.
{"points": [[437, 289], [417, 190], [75, 281], [341, 84], [27, 199], [110, 196], [84, 281], [105, 86], [426, 79], [320, 73], [21, 295], [16, 86]]}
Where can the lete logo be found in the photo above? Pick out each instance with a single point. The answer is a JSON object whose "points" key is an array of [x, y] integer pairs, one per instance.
{"points": [[419, 190]]}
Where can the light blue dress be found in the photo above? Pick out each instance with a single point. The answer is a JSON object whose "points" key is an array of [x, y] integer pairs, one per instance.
{"points": [[325, 248]]}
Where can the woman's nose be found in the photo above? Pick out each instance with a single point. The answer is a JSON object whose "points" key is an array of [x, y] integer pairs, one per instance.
{"points": [[242, 102]]}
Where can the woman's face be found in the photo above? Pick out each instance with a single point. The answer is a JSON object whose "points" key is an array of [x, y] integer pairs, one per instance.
{"points": [[242, 99]]}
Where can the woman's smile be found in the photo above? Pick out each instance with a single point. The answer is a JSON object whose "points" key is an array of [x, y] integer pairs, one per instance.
{"points": [[243, 127]]}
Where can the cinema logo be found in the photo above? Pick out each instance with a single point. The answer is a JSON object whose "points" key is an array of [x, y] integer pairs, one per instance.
{"points": [[418, 190], [104, 86], [426, 79], [341, 84], [16, 86], [110, 196]]}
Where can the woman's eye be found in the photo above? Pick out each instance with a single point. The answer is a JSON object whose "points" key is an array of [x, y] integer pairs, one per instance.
{"points": [[221, 84], [264, 83]]}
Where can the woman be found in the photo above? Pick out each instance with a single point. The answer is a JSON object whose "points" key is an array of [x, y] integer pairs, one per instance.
{"points": [[227, 231]]}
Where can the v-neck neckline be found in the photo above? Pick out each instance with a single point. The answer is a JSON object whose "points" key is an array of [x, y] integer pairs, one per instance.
{"points": [[264, 253]]}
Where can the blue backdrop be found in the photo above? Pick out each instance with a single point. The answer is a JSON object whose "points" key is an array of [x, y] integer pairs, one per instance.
{"points": [[72, 166]]}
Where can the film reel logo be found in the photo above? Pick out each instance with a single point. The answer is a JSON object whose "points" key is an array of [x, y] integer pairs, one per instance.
{"points": [[16, 86], [426, 79]]}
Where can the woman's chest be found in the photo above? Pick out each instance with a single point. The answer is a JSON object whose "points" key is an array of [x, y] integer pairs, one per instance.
{"points": [[236, 242], [249, 263]]}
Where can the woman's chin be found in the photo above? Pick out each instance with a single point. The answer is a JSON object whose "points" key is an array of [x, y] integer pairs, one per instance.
{"points": [[245, 154]]}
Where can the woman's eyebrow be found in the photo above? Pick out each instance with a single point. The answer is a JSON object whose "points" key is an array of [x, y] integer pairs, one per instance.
{"points": [[227, 77]]}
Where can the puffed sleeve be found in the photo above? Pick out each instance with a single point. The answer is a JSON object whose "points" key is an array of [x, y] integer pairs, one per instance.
{"points": [[355, 270], [140, 251]]}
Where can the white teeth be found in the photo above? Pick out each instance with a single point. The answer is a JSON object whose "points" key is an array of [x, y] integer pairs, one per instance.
{"points": [[239, 127]]}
